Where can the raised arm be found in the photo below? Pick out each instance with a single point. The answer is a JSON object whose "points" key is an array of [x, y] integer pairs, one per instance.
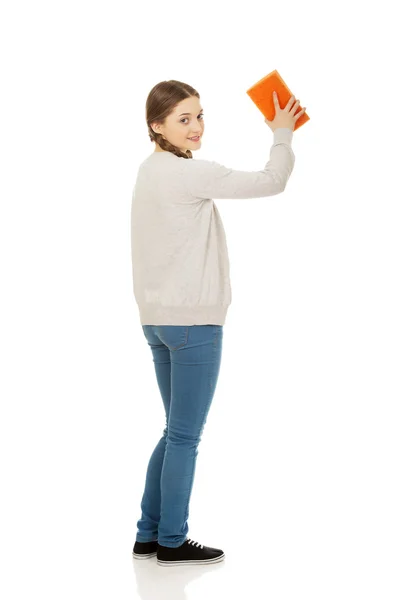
{"points": [[208, 179]]}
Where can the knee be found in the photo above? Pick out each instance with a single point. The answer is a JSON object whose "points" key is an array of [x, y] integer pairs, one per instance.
{"points": [[183, 439]]}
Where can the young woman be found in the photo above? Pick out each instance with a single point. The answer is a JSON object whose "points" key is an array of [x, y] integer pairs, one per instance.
{"points": [[182, 289]]}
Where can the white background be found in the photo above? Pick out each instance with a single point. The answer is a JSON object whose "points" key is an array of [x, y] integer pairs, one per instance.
{"points": [[297, 476]]}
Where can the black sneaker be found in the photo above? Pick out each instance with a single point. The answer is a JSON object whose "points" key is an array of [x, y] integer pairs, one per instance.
{"points": [[189, 553]]}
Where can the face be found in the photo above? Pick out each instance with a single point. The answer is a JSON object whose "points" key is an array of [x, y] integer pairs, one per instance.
{"points": [[178, 127]]}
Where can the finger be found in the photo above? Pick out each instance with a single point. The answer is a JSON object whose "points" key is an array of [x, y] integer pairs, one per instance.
{"points": [[288, 105], [303, 110], [295, 106]]}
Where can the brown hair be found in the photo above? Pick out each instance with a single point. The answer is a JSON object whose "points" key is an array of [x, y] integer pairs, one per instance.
{"points": [[160, 103]]}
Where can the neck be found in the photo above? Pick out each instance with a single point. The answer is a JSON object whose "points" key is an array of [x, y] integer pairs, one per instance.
{"points": [[159, 149]]}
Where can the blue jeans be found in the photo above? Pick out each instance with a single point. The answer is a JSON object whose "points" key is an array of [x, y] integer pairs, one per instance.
{"points": [[187, 361]]}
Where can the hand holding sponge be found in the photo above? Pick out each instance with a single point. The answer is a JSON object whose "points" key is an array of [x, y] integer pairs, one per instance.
{"points": [[261, 93]]}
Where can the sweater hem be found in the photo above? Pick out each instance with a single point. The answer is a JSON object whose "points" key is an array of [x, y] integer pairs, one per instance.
{"points": [[155, 314]]}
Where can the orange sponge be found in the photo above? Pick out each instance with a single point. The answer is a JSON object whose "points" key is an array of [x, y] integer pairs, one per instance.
{"points": [[261, 94]]}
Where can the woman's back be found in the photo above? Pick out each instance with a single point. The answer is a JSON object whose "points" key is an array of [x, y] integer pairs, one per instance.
{"points": [[181, 271]]}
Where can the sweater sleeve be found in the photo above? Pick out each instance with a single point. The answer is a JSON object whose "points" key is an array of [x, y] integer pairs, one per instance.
{"points": [[206, 179]]}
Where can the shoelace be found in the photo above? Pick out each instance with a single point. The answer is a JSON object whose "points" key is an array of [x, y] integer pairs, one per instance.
{"points": [[194, 543]]}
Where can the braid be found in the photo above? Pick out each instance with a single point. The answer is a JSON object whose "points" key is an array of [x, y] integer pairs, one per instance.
{"points": [[167, 146]]}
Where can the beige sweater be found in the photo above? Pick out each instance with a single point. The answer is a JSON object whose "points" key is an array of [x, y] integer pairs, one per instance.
{"points": [[179, 253]]}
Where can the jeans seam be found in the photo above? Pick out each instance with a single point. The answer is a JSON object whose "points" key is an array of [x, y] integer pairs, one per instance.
{"points": [[186, 340]]}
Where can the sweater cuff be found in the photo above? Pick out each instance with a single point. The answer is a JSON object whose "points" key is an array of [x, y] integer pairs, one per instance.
{"points": [[283, 134]]}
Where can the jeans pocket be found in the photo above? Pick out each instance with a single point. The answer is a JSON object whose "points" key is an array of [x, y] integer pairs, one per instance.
{"points": [[173, 336]]}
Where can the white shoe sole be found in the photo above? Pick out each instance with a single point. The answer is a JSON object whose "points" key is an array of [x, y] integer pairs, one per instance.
{"points": [[174, 563]]}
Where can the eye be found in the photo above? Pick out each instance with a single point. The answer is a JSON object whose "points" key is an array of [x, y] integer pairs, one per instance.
{"points": [[185, 119]]}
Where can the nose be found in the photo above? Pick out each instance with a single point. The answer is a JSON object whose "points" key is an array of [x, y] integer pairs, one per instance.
{"points": [[199, 132]]}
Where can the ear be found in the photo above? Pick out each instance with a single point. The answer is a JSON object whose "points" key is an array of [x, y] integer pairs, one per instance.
{"points": [[156, 127]]}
